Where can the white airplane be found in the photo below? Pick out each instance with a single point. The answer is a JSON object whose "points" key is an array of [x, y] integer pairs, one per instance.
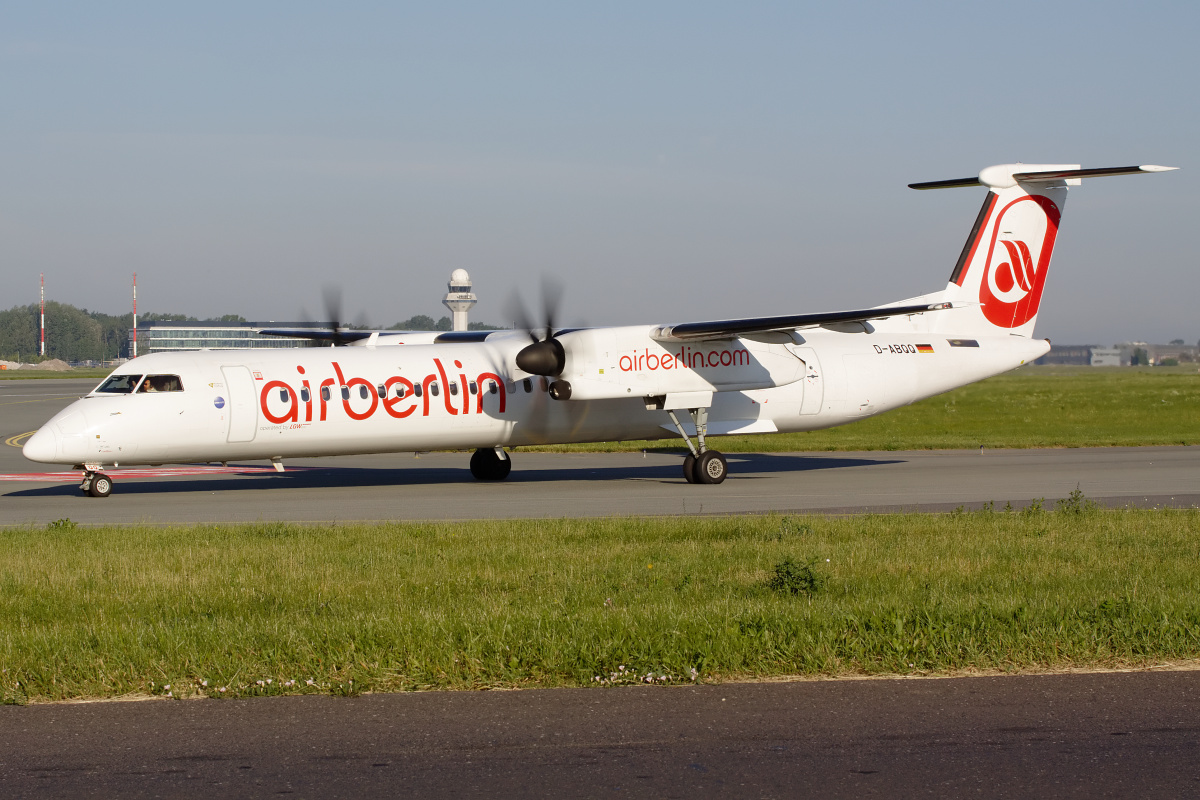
{"points": [[380, 392]]}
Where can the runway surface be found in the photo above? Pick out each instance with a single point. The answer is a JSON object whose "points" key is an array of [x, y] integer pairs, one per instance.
{"points": [[439, 485], [1091, 735]]}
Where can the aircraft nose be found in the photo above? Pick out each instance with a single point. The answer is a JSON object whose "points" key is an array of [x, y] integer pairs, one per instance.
{"points": [[42, 446]]}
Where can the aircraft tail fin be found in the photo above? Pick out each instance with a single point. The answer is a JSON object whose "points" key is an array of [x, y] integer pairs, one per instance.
{"points": [[996, 286]]}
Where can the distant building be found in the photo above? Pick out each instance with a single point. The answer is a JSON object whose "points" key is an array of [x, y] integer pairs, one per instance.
{"points": [[1076, 354], [1157, 354], [161, 337], [1121, 355], [1180, 353], [1108, 357]]}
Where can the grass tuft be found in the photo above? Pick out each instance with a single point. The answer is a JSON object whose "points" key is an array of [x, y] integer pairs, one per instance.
{"points": [[1076, 503], [796, 577]]}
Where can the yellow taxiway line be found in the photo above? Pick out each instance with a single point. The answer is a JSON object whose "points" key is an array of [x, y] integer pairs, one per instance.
{"points": [[15, 441]]}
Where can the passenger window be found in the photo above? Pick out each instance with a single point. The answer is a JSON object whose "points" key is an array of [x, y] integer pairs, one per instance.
{"points": [[454, 388], [345, 392], [492, 387], [399, 391], [363, 391], [119, 384], [528, 385], [434, 390], [381, 390], [417, 390], [474, 388], [304, 395], [325, 393], [283, 395]]}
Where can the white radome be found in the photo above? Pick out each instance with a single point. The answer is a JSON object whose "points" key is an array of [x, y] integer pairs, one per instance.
{"points": [[460, 276]]}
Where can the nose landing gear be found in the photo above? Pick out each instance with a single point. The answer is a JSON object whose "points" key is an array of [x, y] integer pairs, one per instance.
{"points": [[95, 483]]}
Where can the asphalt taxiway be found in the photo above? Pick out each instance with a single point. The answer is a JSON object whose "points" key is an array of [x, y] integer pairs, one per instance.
{"points": [[1085, 735], [440, 486]]}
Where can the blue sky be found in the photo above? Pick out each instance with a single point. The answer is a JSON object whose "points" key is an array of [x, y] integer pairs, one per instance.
{"points": [[666, 162]]}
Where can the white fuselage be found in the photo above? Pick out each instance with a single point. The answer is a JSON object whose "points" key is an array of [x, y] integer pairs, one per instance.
{"points": [[255, 404]]}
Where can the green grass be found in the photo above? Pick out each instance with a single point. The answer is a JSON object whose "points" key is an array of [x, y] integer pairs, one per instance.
{"points": [[1031, 407], [42, 374], [102, 612]]}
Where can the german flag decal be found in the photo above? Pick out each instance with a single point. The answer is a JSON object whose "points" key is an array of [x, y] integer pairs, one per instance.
{"points": [[924, 348]]}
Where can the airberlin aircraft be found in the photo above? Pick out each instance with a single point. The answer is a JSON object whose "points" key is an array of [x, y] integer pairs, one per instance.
{"points": [[382, 392]]}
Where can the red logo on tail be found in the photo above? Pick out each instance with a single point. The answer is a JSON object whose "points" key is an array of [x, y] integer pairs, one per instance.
{"points": [[1013, 276]]}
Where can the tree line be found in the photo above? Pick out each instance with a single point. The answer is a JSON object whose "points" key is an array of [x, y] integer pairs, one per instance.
{"points": [[72, 334], [421, 322], [76, 334]]}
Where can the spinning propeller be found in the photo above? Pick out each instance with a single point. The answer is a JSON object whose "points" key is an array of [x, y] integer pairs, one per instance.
{"points": [[545, 355], [333, 313], [335, 331]]}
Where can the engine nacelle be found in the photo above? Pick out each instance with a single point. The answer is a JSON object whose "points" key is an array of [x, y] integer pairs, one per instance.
{"points": [[628, 362]]}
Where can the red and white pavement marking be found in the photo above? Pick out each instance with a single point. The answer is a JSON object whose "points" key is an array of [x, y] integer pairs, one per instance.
{"points": [[147, 472]]}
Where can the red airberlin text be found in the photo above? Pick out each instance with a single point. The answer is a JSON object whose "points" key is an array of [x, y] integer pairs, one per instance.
{"points": [[398, 397], [686, 358]]}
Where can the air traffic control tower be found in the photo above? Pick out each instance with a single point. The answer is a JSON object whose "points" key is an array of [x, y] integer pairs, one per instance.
{"points": [[459, 298]]}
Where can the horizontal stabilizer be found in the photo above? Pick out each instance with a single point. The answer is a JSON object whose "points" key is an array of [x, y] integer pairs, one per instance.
{"points": [[1005, 175], [1099, 172], [723, 329], [950, 184]]}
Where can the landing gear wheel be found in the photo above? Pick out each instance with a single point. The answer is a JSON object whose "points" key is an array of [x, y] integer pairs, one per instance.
{"points": [[487, 466], [100, 486], [711, 467], [689, 468]]}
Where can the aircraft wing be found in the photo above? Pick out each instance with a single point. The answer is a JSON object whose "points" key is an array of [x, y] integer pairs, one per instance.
{"points": [[318, 334], [723, 329], [716, 329]]}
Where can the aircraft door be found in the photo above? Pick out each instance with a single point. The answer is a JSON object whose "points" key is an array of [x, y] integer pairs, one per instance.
{"points": [[814, 385], [243, 404]]}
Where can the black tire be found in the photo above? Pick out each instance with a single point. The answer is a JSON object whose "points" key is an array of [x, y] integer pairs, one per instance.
{"points": [[689, 468], [487, 466], [101, 486], [711, 467], [502, 468]]}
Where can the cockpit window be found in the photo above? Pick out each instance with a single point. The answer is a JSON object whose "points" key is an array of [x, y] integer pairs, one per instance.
{"points": [[119, 384], [161, 383]]}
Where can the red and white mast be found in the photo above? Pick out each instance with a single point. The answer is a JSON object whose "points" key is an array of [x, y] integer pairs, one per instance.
{"points": [[135, 315], [43, 314]]}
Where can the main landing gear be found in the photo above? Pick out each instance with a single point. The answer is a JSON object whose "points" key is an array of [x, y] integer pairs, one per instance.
{"points": [[490, 464], [700, 465], [95, 483]]}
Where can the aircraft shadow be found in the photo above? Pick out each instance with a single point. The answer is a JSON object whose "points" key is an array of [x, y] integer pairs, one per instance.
{"points": [[743, 466]]}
